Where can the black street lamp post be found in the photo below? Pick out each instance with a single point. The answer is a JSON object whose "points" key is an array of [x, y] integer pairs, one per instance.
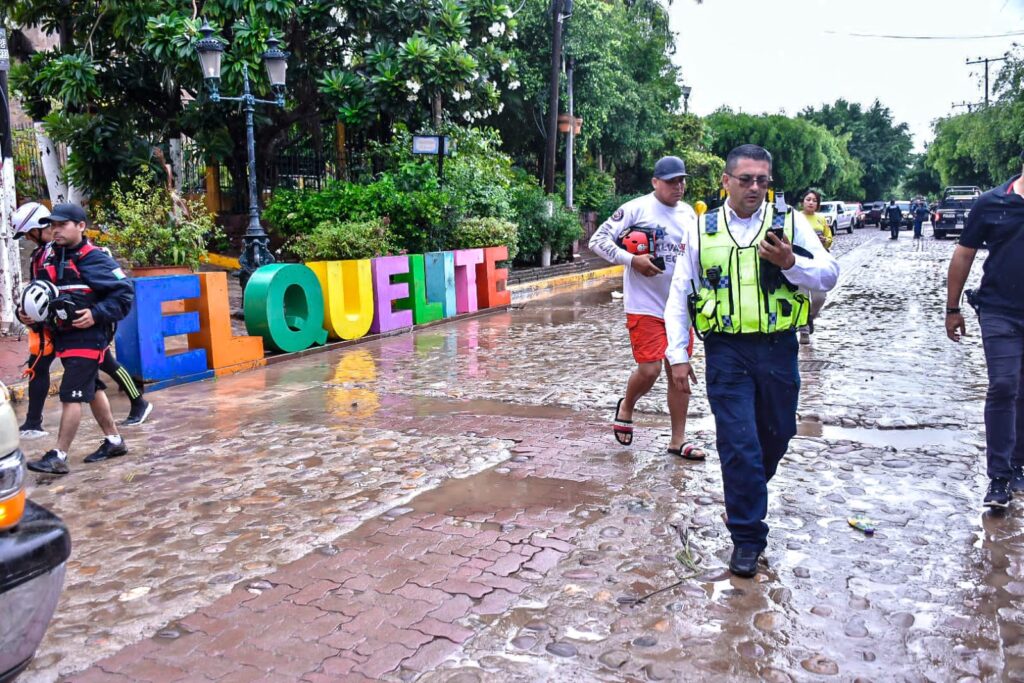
{"points": [[255, 252]]}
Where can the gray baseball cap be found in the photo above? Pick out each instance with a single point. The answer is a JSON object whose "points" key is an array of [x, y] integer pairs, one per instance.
{"points": [[668, 168]]}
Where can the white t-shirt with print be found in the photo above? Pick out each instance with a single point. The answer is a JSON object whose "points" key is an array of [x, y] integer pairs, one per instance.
{"points": [[642, 294]]}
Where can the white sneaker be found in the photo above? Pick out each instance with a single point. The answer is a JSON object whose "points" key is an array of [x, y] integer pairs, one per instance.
{"points": [[33, 433]]}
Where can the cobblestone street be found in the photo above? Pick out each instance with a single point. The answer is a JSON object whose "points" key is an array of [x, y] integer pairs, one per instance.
{"points": [[450, 505]]}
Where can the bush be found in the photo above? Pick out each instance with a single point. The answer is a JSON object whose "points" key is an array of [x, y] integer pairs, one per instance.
{"points": [[593, 188], [608, 207], [148, 226], [471, 233], [336, 240], [536, 227]]}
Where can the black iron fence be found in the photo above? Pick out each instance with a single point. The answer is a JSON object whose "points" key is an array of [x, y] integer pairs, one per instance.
{"points": [[306, 158]]}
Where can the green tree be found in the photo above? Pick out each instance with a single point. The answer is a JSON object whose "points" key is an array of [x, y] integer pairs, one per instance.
{"points": [[982, 147], [921, 179], [114, 88], [880, 145], [625, 83]]}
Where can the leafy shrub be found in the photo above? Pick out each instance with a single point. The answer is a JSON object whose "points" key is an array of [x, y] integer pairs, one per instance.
{"points": [[148, 226], [608, 207], [593, 188], [537, 227], [335, 240], [471, 233]]}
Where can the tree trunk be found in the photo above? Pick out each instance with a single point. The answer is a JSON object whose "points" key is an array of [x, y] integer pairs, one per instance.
{"points": [[55, 188], [177, 162], [436, 105], [10, 253]]}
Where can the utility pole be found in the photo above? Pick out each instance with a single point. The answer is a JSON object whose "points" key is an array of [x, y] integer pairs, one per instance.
{"points": [[10, 253], [970, 106], [551, 149], [569, 66], [986, 61]]}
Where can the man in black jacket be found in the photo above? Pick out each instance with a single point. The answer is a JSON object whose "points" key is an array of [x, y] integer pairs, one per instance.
{"points": [[894, 215], [94, 295]]}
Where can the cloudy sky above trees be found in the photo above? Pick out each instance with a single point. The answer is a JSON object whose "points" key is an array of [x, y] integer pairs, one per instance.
{"points": [[790, 54]]}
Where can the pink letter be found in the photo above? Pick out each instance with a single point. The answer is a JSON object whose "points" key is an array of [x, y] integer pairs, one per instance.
{"points": [[465, 279], [384, 318]]}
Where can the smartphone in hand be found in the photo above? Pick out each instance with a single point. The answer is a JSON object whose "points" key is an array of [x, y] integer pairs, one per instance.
{"points": [[659, 262]]}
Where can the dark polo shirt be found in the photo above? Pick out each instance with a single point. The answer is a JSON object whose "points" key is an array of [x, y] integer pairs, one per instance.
{"points": [[997, 221]]}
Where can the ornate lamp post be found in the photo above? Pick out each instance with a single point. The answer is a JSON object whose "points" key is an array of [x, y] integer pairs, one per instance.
{"points": [[255, 252]]}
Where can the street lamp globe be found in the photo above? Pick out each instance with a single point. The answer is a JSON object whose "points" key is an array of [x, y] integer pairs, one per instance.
{"points": [[276, 61], [210, 52]]}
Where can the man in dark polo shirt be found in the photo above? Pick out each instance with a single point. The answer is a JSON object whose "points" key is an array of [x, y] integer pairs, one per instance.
{"points": [[997, 221]]}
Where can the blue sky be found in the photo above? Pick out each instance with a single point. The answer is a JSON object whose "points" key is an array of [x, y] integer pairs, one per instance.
{"points": [[784, 55]]}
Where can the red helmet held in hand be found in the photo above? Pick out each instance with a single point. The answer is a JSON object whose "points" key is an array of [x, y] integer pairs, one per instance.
{"points": [[638, 242]]}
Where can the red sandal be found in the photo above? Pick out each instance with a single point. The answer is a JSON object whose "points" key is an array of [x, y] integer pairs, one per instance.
{"points": [[623, 428]]}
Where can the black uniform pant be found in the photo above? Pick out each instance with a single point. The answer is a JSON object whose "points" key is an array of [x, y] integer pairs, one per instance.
{"points": [[39, 385]]}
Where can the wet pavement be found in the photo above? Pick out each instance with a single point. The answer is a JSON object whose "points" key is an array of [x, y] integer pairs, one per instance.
{"points": [[451, 506]]}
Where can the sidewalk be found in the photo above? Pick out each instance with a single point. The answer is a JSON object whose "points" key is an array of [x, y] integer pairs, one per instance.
{"points": [[588, 270]]}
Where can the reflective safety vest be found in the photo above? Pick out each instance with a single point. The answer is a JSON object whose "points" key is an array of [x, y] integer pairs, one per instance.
{"points": [[739, 292]]}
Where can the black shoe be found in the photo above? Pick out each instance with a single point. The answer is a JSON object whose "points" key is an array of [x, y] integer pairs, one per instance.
{"points": [[999, 494], [1017, 481], [50, 463], [744, 561], [138, 414], [107, 450]]}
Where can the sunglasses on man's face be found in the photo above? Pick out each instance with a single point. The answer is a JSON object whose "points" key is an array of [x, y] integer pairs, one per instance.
{"points": [[749, 180]]}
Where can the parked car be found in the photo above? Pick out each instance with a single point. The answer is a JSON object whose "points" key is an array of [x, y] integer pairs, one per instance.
{"points": [[951, 214], [873, 213], [837, 216], [908, 220], [857, 213], [34, 547]]}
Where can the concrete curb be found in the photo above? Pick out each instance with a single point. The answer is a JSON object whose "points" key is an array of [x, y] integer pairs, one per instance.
{"points": [[534, 290], [520, 293]]}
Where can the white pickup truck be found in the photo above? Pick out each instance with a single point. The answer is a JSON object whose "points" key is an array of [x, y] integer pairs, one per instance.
{"points": [[838, 215]]}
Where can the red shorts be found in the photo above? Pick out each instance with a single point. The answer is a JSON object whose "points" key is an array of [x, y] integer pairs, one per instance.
{"points": [[648, 338]]}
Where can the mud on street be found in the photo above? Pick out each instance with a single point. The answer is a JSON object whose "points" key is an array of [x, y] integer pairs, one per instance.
{"points": [[451, 506]]}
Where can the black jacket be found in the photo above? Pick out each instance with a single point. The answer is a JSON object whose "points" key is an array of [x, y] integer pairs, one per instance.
{"points": [[96, 282], [894, 214]]}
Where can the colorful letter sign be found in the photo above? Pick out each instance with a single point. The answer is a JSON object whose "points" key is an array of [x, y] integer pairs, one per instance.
{"points": [[289, 307], [284, 305]]}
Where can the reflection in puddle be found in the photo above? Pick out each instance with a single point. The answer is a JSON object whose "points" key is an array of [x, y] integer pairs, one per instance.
{"points": [[899, 439]]}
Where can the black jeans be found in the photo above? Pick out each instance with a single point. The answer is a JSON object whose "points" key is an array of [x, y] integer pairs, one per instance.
{"points": [[1002, 335]]}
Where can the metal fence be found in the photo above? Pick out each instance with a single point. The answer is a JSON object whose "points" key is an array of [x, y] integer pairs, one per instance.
{"points": [[307, 158], [29, 179]]}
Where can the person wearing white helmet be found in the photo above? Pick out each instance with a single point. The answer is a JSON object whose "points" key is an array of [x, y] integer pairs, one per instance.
{"points": [[31, 221]]}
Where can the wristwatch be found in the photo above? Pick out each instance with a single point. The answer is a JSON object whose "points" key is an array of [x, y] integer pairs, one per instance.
{"points": [[952, 311]]}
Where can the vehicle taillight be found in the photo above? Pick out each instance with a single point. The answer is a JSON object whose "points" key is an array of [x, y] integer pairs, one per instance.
{"points": [[12, 490], [938, 215]]}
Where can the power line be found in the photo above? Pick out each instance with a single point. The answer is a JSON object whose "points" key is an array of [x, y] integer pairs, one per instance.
{"points": [[899, 37]]}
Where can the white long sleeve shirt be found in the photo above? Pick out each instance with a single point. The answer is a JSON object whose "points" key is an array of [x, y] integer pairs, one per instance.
{"points": [[672, 226], [819, 273]]}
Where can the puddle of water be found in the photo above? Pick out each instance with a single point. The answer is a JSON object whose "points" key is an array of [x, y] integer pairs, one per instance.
{"points": [[899, 439], [421, 406], [491, 492]]}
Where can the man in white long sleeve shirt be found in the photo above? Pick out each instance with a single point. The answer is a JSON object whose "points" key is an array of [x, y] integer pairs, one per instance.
{"points": [[747, 302], [646, 281]]}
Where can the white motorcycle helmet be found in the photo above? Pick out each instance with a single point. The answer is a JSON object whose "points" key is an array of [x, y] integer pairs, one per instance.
{"points": [[27, 216], [36, 299]]}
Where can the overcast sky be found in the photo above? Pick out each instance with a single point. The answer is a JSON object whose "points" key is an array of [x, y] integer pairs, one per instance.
{"points": [[759, 56]]}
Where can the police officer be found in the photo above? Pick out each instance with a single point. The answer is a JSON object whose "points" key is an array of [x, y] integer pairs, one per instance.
{"points": [[747, 303], [894, 216], [996, 221], [28, 223], [96, 294]]}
